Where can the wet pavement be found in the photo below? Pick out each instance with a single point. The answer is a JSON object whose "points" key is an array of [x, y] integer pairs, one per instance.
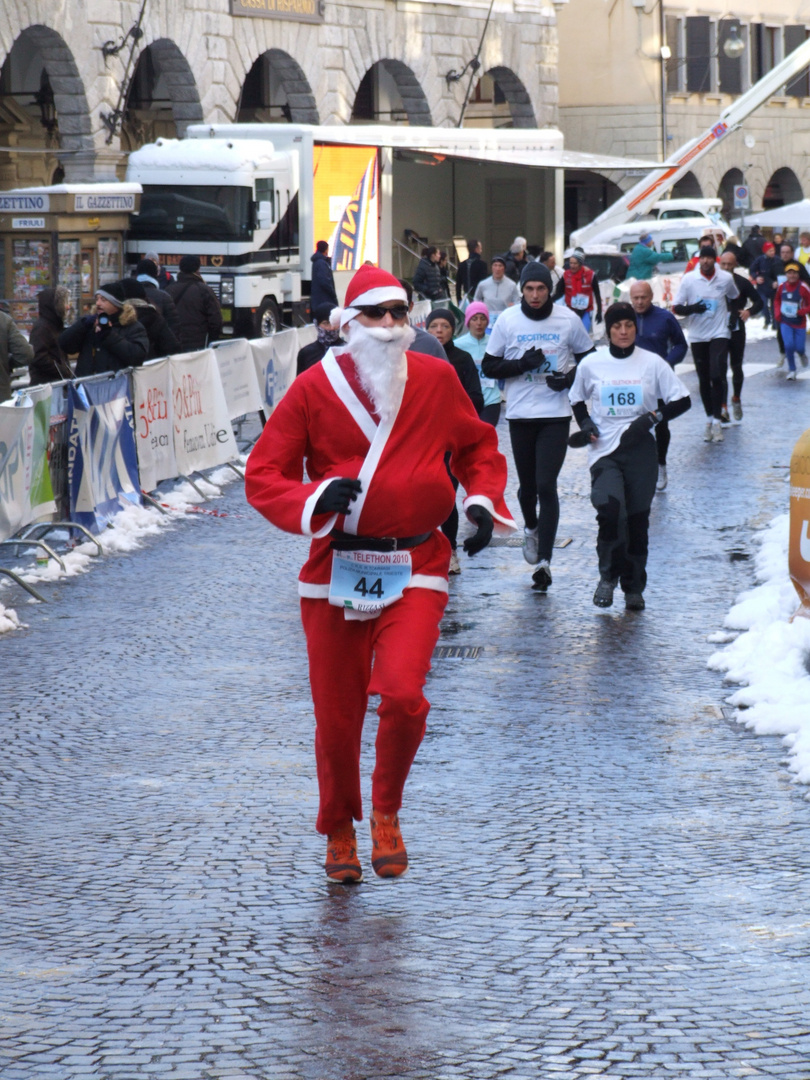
{"points": [[608, 877]]}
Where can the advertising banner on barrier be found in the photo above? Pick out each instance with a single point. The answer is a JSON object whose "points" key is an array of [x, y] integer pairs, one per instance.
{"points": [[238, 374], [274, 359], [154, 436], [102, 461], [15, 441], [203, 436]]}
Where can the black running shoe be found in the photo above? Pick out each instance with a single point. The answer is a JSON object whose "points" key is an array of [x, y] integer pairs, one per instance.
{"points": [[603, 597], [541, 578], [634, 601]]}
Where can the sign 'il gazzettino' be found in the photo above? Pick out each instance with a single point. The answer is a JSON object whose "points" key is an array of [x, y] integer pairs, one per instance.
{"points": [[104, 203]]}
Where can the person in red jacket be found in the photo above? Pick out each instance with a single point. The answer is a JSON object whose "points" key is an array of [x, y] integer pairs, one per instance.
{"points": [[373, 422], [581, 289], [791, 306]]}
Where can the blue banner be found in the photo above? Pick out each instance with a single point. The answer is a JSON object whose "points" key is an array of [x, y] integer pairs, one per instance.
{"points": [[102, 460]]}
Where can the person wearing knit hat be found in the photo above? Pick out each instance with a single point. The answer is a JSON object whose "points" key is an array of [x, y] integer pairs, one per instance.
{"points": [[705, 296], [535, 348], [497, 291], [110, 340], [616, 397], [147, 273], [644, 258], [581, 289], [373, 423], [476, 320]]}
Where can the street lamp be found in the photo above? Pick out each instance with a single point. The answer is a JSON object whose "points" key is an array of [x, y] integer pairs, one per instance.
{"points": [[734, 46]]}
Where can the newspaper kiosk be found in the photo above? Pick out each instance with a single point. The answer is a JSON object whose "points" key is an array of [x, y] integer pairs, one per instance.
{"points": [[65, 234]]}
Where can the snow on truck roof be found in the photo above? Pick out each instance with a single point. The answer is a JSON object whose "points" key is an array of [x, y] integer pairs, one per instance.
{"points": [[210, 155]]}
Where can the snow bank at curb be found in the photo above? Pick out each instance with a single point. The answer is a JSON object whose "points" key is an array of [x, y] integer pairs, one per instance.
{"points": [[129, 529], [769, 659]]}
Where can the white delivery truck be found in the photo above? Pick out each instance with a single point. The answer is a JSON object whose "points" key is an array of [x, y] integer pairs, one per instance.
{"points": [[251, 200]]}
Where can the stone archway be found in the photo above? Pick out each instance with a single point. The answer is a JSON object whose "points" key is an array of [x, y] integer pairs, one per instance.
{"points": [[43, 103], [499, 100], [163, 98], [688, 187], [389, 93], [782, 189], [276, 90], [732, 179]]}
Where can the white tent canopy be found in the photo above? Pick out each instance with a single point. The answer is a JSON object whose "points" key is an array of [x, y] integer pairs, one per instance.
{"points": [[794, 216]]}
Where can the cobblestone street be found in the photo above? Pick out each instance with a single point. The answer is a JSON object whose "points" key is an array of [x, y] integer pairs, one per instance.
{"points": [[608, 876]]}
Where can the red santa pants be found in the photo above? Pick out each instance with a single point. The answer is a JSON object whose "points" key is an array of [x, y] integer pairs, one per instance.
{"points": [[348, 660]]}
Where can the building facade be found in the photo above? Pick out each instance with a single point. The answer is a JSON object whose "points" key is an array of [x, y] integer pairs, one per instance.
{"points": [[642, 79], [83, 81]]}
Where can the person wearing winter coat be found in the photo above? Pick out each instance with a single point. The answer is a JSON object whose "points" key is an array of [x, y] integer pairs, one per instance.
{"points": [[49, 364], [762, 274], [110, 340], [644, 259], [428, 277], [323, 281], [162, 341], [146, 272], [516, 258], [328, 338], [14, 352], [470, 272], [198, 310]]}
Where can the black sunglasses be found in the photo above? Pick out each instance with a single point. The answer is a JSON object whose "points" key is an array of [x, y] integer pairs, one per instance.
{"points": [[373, 311]]}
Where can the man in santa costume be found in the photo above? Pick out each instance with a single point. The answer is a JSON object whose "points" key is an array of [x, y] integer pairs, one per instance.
{"points": [[371, 425]]}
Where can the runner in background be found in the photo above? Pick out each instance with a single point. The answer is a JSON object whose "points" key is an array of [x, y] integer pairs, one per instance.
{"points": [[740, 314], [791, 307], [580, 288], [703, 296], [535, 349], [476, 320], [659, 332], [621, 386]]}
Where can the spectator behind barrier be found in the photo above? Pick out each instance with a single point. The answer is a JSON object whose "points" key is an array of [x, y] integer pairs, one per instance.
{"points": [[147, 273], [327, 337], [14, 352], [162, 341], [110, 340], [198, 309], [49, 363]]}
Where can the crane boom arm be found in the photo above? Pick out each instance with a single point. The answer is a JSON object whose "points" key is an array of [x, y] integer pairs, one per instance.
{"points": [[642, 195]]}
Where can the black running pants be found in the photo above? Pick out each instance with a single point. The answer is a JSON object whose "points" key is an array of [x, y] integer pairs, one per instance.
{"points": [[711, 364], [539, 448]]}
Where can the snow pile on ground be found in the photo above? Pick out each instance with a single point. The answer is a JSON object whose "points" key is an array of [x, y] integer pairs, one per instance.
{"points": [[125, 534], [770, 659], [756, 330]]}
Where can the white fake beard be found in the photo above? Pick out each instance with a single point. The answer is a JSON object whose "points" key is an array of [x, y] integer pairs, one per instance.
{"points": [[378, 353]]}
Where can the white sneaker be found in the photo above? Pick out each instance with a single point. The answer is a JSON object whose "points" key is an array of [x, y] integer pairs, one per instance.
{"points": [[455, 565], [707, 434], [717, 431], [531, 552], [790, 375], [662, 478], [736, 407]]}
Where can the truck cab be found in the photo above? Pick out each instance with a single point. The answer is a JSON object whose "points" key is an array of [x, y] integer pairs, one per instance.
{"points": [[235, 206]]}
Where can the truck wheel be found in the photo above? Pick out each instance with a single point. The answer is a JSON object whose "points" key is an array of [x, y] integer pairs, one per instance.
{"points": [[268, 319]]}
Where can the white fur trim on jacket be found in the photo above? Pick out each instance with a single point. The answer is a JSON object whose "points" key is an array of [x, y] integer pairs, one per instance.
{"points": [[502, 525]]}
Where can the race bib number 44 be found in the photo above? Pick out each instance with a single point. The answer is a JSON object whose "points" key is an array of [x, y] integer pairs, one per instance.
{"points": [[621, 398], [368, 581]]}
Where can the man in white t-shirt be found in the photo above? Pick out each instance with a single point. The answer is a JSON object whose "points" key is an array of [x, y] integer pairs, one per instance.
{"points": [[703, 297], [535, 348], [615, 398]]}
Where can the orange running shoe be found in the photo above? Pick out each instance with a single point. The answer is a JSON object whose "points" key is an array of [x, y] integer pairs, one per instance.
{"points": [[388, 855], [342, 863]]}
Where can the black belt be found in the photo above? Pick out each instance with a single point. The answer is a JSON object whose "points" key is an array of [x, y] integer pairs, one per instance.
{"points": [[346, 542]]}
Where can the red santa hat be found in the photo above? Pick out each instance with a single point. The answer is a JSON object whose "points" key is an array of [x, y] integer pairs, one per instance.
{"points": [[369, 286]]}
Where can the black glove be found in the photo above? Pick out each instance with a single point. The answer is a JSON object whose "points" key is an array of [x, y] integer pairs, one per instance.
{"points": [[635, 432], [695, 309], [337, 498], [559, 381], [599, 317], [531, 359], [479, 540], [583, 436]]}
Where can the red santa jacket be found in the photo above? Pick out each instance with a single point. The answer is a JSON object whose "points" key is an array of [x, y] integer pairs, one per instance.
{"points": [[579, 284], [323, 422]]}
